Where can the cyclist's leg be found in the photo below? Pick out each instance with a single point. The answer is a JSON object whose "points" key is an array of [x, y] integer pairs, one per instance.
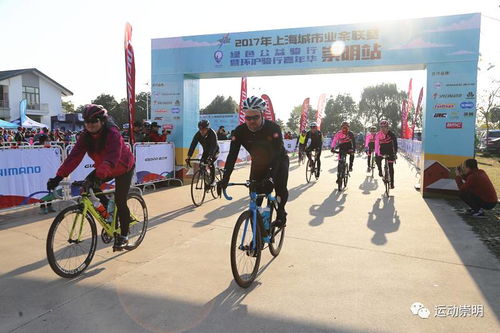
{"points": [[318, 159], [378, 161], [121, 193], [351, 161], [212, 168], [281, 188], [391, 168], [309, 157]]}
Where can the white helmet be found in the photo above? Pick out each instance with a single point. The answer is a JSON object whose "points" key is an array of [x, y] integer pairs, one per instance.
{"points": [[313, 124], [254, 103]]}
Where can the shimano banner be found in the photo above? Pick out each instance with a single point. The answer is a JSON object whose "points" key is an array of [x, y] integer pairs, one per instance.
{"points": [[24, 174]]}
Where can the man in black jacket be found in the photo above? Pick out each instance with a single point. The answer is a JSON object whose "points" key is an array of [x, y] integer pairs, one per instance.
{"points": [[207, 138], [264, 141]]}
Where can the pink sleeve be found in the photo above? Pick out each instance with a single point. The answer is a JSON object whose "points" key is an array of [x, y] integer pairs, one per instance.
{"points": [[367, 140], [335, 140], [377, 144]]}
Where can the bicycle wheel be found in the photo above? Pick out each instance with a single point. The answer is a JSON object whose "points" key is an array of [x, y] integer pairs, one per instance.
{"points": [[198, 188], [139, 220], [340, 175], [71, 242], [245, 258], [346, 178], [309, 171], [277, 238], [218, 178], [386, 179], [373, 165]]}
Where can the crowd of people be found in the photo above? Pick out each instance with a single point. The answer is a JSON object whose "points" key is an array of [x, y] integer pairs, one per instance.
{"points": [[36, 136]]}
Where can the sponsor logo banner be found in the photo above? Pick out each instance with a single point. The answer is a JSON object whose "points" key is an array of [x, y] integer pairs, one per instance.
{"points": [[444, 106], [454, 124], [440, 115], [467, 105]]}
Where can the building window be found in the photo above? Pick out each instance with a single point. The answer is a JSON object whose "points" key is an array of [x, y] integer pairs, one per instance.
{"points": [[32, 96]]}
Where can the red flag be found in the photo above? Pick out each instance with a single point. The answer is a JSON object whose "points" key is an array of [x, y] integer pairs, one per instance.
{"points": [[417, 110], [130, 71], [303, 116], [404, 118], [243, 96], [269, 114], [321, 109]]}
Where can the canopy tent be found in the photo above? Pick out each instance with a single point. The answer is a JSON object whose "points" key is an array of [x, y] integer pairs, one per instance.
{"points": [[29, 123], [6, 124]]}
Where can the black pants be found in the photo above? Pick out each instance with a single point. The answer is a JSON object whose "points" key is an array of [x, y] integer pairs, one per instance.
{"points": [[371, 148], [122, 187], [204, 158], [280, 183], [475, 202], [318, 157], [388, 150], [344, 149]]}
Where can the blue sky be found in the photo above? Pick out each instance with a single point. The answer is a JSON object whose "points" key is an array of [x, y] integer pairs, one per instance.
{"points": [[80, 43]]}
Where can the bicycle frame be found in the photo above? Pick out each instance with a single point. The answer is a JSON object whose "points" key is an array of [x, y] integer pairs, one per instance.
{"points": [[253, 207]]}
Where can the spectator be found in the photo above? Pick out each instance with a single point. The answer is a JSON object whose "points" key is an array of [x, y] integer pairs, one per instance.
{"points": [[19, 136], [139, 135], [476, 189], [221, 133], [153, 133], [45, 208], [2, 137]]}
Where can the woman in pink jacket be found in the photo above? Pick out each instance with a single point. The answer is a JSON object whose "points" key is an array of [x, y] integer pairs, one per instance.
{"points": [[102, 141], [386, 143], [370, 145], [346, 142]]}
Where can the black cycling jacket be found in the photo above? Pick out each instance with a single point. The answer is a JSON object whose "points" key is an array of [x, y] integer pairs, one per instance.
{"points": [[208, 142]]}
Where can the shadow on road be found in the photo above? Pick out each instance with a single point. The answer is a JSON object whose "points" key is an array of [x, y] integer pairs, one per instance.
{"points": [[370, 184], [383, 219], [332, 206]]}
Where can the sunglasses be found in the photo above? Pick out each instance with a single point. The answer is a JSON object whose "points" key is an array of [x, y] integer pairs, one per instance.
{"points": [[91, 121], [250, 118]]}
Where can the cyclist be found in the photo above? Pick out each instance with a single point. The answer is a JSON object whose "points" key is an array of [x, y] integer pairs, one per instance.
{"points": [[316, 144], [264, 141], [208, 140], [346, 142], [360, 142], [386, 144], [301, 142], [102, 141], [370, 145]]}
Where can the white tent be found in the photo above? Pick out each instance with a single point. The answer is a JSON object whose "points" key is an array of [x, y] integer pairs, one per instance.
{"points": [[29, 123], [6, 124]]}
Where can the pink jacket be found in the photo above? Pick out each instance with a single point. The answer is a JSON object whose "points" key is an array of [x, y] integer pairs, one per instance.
{"points": [[369, 138], [340, 138], [384, 139]]}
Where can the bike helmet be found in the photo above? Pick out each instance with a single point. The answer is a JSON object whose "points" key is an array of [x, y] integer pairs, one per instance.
{"points": [[313, 124], [384, 123], [254, 103], [94, 111], [203, 124], [373, 129], [345, 123]]}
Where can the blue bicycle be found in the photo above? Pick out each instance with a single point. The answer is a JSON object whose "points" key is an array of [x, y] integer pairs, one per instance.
{"points": [[252, 232]]}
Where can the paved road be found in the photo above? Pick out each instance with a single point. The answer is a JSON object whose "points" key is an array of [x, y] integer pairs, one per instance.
{"points": [[352, 262]]}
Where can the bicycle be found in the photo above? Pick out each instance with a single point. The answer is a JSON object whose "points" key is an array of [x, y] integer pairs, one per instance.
{"points": [[301, 156], [311, 168], [246, 249], [386, 177], [201, 182], [342, 171], [76, 226]]}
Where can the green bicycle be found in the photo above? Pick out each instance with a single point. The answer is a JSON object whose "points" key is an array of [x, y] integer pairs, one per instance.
{"points": [[72, 238]]}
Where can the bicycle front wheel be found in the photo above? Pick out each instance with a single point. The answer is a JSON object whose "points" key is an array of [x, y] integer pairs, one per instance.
{"points": [[138, 220], [386, 180], [71, 242], [198, 188], [277, 238], [245, 256], [340, 176], [309, 171], [218, 178]]}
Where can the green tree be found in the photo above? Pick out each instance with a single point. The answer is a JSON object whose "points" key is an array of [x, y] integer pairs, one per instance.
{"points": [[221, 105], [337, 110], [281, 124], [293, 123], [68, 107], [142, 106], [382, 101]]}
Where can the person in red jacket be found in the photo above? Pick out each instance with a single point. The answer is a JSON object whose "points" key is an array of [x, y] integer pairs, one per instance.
{"points": [[102, 141], [476, 189], [154, 136]]}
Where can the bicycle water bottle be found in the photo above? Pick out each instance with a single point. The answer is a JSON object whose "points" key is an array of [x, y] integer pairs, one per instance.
{"points": [[111, 209], [265, 212], [100, 208]]}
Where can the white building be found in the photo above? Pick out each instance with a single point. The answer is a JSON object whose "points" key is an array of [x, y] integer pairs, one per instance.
{"points": [[42, 93]]}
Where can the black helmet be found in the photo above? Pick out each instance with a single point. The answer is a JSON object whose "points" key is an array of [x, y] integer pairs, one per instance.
{"points": [[94, 111], [203, 124]]}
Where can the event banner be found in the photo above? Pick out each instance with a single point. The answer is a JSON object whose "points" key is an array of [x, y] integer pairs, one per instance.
{"points": [[290, 145], [243, 97], [243, 155], [154, 162], [24, 174], [130, 74], [303, 115]]}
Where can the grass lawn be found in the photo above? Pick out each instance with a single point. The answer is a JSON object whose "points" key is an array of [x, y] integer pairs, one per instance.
{"points": [[491, 165]]}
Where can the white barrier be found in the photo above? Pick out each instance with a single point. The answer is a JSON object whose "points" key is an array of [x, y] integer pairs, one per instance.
{"points": [[24, 172], [412, 149], [243, 155], [290, 145], [154, 162], [83, 169]]}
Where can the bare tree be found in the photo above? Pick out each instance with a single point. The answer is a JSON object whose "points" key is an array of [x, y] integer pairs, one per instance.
{"points": [[489, 101]]}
